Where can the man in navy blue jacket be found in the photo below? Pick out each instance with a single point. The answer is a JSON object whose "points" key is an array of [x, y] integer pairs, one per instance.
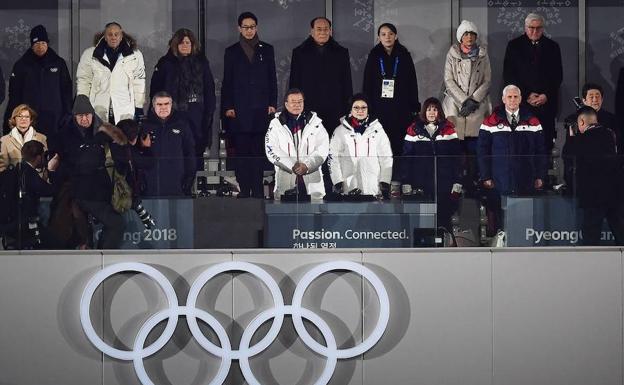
{"points": [[248, 97], [511, 153], [173, 150]]}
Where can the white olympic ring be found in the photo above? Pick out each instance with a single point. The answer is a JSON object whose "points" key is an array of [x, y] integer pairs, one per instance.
{"points": [[139, 352]]}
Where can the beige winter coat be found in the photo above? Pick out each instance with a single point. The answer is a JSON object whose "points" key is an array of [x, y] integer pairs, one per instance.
{"points": [[464, 78], [11, 146]]}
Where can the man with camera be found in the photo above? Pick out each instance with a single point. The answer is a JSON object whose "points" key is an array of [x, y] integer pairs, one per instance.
{"points": [[598, 175], [24, 230], [173, 150]]}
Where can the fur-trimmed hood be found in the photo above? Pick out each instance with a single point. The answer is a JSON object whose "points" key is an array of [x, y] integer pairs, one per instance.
{"points": [[115, 133]]}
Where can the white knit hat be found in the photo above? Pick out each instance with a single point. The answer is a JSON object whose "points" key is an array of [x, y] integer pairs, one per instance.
{"points": [[466, 26]]}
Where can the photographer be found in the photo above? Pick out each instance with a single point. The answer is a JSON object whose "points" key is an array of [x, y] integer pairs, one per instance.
{"points": [[24, 230], [598, 175], [139, 159]]}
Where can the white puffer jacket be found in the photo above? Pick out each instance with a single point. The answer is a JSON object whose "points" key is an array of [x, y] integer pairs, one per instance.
{"points": [[312, 150], [124, 86], [465, 78], [360, 160]]}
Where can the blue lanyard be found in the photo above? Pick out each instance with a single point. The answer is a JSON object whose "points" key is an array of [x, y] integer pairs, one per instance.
{"points": [[383, 68]]}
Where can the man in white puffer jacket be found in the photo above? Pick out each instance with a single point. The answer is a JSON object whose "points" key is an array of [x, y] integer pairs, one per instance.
{"points": [[112, 75], [360, 156], [297, 144]]}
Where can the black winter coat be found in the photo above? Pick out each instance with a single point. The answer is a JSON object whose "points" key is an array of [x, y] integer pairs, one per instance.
{"points": [[395, 114], [324, 76], [45, 85], [598, 172], [200, 115], [82, 159], [173, 155], [248, 87], [534, 68]]}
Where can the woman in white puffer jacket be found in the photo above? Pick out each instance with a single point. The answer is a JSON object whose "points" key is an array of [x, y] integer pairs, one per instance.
{"points": [[360, 156], [112, 75]]}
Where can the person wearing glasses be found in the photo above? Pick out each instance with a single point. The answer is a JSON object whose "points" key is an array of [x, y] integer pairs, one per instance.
{"points": [[248, 97], [184, 73], [533, 63], [297, 144], [40, 78], [21, 123], [360, 156]]}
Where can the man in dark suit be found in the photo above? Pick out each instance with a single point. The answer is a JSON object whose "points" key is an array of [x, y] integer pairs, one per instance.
{"points": [[320, 68], [533, 63], [248, 97]]}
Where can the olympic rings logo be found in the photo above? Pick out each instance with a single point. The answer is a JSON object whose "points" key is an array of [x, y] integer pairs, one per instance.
{"points": [[225, 351]]}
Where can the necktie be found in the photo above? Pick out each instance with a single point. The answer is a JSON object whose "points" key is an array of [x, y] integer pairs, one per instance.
{"points": [[514, 121]]}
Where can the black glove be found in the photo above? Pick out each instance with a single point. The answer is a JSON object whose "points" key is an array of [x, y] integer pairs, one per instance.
{"points": [[385, 189], [187, 185], [468, 107], [338, 188], [138, 114]]}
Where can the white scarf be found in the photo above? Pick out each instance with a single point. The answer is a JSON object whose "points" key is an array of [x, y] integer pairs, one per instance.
{"points": [[23, 139]]}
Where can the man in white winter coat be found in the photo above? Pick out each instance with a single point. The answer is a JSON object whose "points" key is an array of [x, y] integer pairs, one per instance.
{"points": [[112, 75], [297, 144], [360, 156]]}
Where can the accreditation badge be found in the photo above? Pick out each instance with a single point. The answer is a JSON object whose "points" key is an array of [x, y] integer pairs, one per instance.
{"points": [[387, 88]]}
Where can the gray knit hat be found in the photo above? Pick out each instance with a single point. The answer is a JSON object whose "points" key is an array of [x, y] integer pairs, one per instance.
{"points": [[82, 105]]}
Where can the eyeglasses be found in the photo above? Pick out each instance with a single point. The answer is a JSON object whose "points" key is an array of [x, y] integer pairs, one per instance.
{"points": [[23, 116], [360, 108], [295, 102], [249, 27], [536, 28]]}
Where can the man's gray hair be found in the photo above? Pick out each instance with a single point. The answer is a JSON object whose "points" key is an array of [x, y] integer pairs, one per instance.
{"points": [[510, 87], [534, 16], [161, 94]]}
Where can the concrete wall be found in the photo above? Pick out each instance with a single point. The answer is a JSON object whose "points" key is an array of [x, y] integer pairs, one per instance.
{"points": [[509, 316]]}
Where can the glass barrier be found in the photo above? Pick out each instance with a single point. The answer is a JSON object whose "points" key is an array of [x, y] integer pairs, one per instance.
{"points": [[360, 202]]}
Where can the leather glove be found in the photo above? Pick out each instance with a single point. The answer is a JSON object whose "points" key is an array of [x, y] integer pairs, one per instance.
{"points": [[138, 114], [468, 107], [385, 190], [338, 188]]}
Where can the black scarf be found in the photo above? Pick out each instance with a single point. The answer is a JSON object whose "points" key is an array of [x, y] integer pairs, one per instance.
{"points": [[112, 54]]}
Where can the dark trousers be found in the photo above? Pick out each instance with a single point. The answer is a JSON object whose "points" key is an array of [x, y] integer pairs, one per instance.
{"points": [[547, 120], [494, 211], [112, 233], [470, 174], [446, 207], [249, 161], [593, 218]]}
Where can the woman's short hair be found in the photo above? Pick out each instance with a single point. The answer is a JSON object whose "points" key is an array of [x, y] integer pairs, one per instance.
{"points": [[177, 38], [432, 102], [17, 110]]}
